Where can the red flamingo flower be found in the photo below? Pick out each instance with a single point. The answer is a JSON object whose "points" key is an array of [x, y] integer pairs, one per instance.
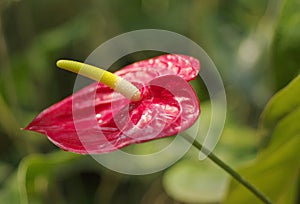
{"points": [[146, 100]]}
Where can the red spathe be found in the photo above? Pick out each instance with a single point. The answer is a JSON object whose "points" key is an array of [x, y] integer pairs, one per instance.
{"points": [[97, 120]]}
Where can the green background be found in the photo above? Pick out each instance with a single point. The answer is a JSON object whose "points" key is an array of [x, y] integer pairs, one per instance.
{"points": [[255, 46]]}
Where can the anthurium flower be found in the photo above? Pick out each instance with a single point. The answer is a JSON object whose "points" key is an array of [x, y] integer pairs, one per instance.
{"points": [[155, 101]]}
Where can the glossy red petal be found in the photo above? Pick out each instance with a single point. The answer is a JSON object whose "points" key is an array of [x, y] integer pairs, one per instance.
{"points": [[183, 66], [96, 120], [169, 105]]}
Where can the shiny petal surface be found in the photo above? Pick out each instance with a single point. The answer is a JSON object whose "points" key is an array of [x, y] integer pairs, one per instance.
{"points": [[98, 120], [183, 66]]}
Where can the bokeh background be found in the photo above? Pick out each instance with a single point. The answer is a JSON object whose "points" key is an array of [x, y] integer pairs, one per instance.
{"points": [[254, 44]]}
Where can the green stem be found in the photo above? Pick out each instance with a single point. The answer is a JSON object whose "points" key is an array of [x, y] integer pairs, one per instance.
{"points": [[228, 169]]}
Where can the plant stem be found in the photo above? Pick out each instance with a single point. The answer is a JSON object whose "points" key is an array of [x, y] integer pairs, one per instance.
{"points": [[228, 169]]}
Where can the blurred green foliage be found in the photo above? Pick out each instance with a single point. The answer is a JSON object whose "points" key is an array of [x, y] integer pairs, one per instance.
{"points": [[276, 169], [256, 47]]}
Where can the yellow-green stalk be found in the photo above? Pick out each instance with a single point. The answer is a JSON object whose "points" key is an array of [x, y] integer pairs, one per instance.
{"points": [[113, 81]]}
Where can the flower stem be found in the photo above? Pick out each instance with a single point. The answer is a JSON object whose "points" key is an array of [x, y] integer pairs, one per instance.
{"points": [[228, 169]]}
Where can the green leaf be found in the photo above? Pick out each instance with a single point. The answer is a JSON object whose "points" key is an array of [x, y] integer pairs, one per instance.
{"points": [[276, 170], [275, 175], [192, 182], [281, 104], [286, 128]]}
